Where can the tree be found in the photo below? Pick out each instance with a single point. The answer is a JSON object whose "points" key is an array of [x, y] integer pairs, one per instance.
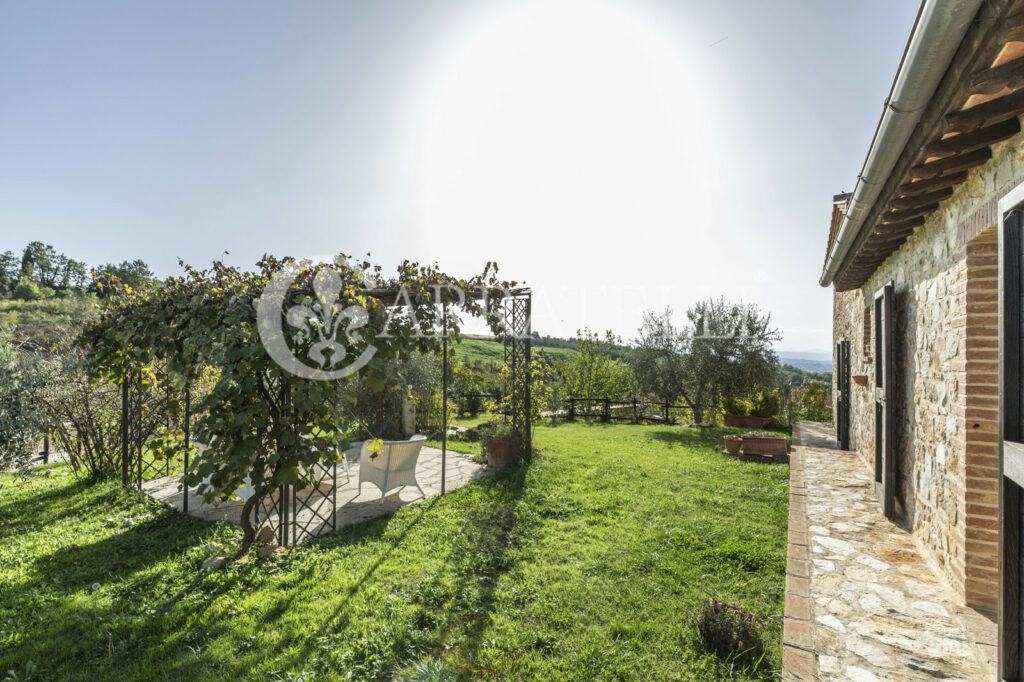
{"points": [[10, 270], [658, 357], [811, 402], [593, 372], [37, 262], [42, 264], [724, 350], [134, 274], [71, 274], [23, 379]]}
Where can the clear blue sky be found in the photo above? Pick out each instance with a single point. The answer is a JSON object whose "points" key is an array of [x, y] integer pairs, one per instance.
{"points": [[613, 154]]}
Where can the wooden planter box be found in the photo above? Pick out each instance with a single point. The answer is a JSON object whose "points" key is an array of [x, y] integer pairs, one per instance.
{"points": [[768, 446], [745, 421]]}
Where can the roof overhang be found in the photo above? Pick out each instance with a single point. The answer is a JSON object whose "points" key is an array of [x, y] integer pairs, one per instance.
{"points": [[929, 136]]}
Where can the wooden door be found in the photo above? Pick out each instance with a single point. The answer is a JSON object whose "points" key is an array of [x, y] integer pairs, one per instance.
{"points": [[842, 370], [885, 403], [1011, 451]]}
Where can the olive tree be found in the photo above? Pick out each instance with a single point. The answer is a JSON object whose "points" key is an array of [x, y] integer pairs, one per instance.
{"points": [[723, 349], [23, 379]]}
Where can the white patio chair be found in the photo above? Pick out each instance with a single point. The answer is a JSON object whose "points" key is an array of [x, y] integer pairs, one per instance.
{"points": [[394, 467]]}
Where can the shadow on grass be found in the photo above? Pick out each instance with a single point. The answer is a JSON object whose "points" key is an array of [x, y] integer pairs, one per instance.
{"points": [[367, 530], [489, 532], [152, 613], [39, 507], [128, 551]]}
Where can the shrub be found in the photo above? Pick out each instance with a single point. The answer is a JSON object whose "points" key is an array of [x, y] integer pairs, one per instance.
{"points": [[27, 290], [731, 633], [473, 404], [766, 404], [428, 411], [734, 405], [811, 402], [85, 415], [23, 378]]}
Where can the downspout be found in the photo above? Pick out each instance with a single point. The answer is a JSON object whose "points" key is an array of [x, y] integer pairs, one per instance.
{"points": [[938, 31]]}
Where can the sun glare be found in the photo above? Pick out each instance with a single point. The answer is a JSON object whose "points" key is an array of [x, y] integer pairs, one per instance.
{"points": [[558, 118]]}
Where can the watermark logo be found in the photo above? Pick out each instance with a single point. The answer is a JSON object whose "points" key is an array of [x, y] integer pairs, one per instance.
{"points": [[318, 328]]}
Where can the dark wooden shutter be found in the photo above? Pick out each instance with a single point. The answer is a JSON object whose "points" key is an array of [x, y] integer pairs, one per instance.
{"points": [[885, 403], [1011, 450], [842, 370]]}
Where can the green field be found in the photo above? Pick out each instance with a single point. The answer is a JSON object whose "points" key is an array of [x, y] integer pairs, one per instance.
{"points": [[473, 349], [586, 564]]}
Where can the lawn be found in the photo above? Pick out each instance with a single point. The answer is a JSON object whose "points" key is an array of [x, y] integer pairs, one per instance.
{"points": [[587, 564]]}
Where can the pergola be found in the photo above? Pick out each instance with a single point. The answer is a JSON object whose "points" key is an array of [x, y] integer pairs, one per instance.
{"points": [[141, 408]]}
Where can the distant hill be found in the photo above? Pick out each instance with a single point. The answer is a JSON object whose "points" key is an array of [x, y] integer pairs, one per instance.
{"points": [[809, 362], [488, 350]]}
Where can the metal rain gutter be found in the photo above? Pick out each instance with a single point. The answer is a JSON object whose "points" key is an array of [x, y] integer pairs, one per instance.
{"points": [[938, 31]]}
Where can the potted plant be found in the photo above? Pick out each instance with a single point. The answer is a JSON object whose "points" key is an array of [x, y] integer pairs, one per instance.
{"points": [[746, 414], [733, 443], [765, 443], [501, 444]]}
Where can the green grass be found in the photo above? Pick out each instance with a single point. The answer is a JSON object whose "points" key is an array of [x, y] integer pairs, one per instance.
{"points": [[586, 564]]}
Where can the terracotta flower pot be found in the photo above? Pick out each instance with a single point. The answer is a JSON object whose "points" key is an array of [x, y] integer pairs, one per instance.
{"points": [[501, 451], [745, 421], [765, 445], [732, 446]]}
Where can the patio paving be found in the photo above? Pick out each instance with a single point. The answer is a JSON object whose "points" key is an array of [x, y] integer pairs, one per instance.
{"points": [[352, 506], [862, 603]]}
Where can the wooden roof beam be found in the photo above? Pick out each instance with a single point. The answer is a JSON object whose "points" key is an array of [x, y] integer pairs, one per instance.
{"points": [[992, 80], [909, 224], [884, 240], [1012, 29], [986, 113], [951, 165], [965, 143], [925, 186], [899, 216], [916, 200]]}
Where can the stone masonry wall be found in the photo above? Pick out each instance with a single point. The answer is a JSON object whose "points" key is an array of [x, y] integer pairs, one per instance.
{"points": [[944, 353]]}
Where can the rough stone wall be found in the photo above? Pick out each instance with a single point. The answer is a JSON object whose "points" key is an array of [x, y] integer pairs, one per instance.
{"points": [[944, 469], [848, 316]]}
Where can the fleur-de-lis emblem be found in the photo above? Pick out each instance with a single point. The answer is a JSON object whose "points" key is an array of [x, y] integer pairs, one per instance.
{"points": [[322, 322], [323, 319]]}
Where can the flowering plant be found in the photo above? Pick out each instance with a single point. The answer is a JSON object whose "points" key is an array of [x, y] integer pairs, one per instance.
{"points": [[732, 436], [729, 631], [762, 434]]}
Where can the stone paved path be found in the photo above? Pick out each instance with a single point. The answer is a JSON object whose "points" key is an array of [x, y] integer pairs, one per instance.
{"points": [[352, 506], [861, 602]]}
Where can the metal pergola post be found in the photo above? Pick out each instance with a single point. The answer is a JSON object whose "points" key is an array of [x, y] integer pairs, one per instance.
{"points": [[518, 347], [188, 442], [444, 395]]}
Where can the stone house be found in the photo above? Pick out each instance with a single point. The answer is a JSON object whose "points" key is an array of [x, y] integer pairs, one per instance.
{"points": [[924, 258]]}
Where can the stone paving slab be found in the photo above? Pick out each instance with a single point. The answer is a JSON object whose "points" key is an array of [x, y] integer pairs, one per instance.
{"points": [[862, 603], [352, 505]]}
